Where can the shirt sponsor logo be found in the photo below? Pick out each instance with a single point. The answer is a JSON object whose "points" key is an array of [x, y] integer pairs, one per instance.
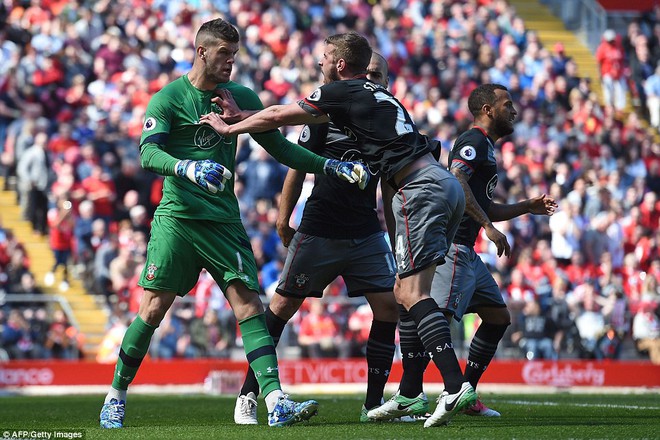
{"points": [[206, 137], [490, 187], [353, 155], [149, 124], [468, 152]]}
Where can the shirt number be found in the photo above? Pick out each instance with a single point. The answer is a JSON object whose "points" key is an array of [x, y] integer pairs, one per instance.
{"points": [[402, 126]]}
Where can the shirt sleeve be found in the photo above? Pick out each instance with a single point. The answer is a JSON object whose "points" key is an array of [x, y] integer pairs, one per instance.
{"points": [[313, 137], [290, 154], [326, 100], [467, 155], [157, 121], [154, 158], [285, 152]]}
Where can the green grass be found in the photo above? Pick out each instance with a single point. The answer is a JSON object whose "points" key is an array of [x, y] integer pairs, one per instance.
{"points": [[528, 416]]}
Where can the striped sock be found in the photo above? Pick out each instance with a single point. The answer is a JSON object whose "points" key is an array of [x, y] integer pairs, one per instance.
{"points": [[380, 353], [433, 330]]}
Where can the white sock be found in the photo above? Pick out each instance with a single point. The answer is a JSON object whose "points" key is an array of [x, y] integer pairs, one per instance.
{"points": [[272, 398], [115, 394]]}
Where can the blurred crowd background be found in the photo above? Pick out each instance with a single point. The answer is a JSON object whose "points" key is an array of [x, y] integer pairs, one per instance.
{"points": [[75, 79]]}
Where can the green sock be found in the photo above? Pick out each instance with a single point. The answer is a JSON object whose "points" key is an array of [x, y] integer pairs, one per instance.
{"points": [[260, 352], [134, 347]]}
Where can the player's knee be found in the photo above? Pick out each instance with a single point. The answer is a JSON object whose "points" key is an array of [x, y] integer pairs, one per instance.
{"points": [[499, 316], [284, 307], [384, 306], [154, 305]]}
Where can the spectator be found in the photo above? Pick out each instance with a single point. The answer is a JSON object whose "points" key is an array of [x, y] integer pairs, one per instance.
{"points": [[16, 340], [562, 316], [646, 330], [208, 337], [38, 322], [100, 190], [610, 57], [61, 223], [319, 335], [32, 171], [536, 333], [652, 91], [61, 338], [590, 324]]}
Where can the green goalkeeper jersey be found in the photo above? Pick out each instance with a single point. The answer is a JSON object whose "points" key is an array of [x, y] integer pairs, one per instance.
{"points": [[172, 132]]}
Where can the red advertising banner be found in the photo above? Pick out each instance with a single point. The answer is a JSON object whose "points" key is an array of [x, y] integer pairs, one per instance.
{"points": [[627, 5], [184, 372]]}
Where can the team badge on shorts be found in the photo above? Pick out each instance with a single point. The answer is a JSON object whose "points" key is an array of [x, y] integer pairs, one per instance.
{"points": [[457, 300], [301, 280], [151, 272]]}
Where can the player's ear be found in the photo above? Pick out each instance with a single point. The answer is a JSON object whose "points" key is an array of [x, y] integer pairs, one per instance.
{"points": [[487, 109]]}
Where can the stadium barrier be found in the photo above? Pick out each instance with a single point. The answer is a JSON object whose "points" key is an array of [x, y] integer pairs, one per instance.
{"points": [[226, 376]]}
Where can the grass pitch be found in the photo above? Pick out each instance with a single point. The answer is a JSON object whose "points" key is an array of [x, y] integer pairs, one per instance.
{"points": [[164, 417]]}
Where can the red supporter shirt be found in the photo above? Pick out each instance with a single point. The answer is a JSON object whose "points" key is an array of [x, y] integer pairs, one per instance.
{"points": [[61, 232]]}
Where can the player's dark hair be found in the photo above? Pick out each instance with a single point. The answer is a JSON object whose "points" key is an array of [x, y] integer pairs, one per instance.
{"points": [[217, 29], [482, 95], [353, 48]]}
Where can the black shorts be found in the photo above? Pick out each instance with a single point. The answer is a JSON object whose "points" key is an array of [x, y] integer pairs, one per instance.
{"points": [[365, 264]]}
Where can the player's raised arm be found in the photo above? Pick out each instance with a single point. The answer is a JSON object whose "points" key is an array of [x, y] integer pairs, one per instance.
{"points": [[267, 119]]}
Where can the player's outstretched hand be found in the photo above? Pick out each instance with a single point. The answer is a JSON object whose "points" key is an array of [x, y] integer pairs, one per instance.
{"points": [[208, 174], [230, 111], [215, 120], [351, 172], [542, 205]]}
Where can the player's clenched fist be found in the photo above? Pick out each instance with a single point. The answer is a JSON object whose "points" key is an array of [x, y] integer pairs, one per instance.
{"points": [[208, 174]]}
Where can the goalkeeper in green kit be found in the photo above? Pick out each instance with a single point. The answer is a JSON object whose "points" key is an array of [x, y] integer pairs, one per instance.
{"points": [[197, 224]]}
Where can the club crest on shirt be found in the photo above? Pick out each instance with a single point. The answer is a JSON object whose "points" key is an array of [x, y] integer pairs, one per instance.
{"points": [[151, 272], [149, 124], [315, 96], [206, 137], [301, 279], [468, 152], [490, 187]]}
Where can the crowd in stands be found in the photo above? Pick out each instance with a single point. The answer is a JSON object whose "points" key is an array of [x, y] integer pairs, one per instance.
{"points": [[75, 77]]}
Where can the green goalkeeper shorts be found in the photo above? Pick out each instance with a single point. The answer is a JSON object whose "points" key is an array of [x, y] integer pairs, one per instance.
{"points": [[180, 248]]}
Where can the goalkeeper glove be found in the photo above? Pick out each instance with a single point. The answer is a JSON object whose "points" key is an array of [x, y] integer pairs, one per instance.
{"points": [[208, 174], [351, 172]]}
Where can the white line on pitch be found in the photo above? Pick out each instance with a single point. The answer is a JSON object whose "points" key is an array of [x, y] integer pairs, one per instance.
{"points": [[595, 405]]}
